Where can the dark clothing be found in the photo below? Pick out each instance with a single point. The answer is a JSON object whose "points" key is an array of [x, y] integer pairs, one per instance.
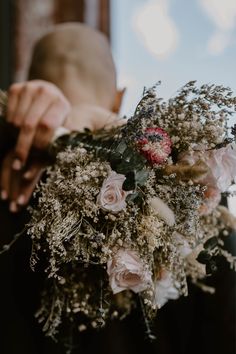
{"points": [[200, 323]]}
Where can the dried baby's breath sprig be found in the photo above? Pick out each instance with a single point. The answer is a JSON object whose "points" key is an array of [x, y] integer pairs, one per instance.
{"points": [[8, 246], [151, 336], [195, 117]]}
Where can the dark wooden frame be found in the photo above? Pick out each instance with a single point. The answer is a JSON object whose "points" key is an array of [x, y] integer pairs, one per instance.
{"points": [[69, 10], [104, 17], [5, 43]]}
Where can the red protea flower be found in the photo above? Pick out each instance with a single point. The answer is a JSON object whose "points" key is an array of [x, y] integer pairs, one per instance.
{"points": [[155, 145]]}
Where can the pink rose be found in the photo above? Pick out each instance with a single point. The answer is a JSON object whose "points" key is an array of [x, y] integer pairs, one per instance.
{"points": [[221, 163], [212, 198], [112, 196], [127, 271]]}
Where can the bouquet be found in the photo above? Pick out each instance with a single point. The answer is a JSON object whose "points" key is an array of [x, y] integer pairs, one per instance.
{"points": [[129, 214]]}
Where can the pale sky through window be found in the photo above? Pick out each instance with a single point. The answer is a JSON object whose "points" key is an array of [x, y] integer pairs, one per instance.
{"points": [[174, 41]]}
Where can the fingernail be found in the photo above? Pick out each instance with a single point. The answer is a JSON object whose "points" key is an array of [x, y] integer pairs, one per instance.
{"points": [[16, 165], [27, 175], [4, 195], [13, 207], [21, 199]]}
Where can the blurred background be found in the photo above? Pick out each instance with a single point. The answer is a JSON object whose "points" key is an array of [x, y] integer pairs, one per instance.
{"points": [[174, 41], [24, 21], [169, 40]]}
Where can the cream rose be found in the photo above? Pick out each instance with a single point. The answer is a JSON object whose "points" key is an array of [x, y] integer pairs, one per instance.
{"points": [[127, 271], [165, 290], [112, 196]]}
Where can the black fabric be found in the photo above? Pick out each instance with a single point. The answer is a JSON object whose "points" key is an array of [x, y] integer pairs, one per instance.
{"points": [[200, 323]]}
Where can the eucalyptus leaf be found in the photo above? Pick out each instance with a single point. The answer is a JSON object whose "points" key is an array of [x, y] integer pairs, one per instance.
{"points": [[211, 243], [127, 154], [203, 257], [135, 197], [122, 146], [141, 177], [129, 183], [123, 167]]}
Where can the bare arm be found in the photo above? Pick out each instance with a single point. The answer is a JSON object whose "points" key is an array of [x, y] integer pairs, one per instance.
{"points": [[91, 117]]}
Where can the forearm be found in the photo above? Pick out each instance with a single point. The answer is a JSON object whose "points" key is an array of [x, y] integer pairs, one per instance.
{"points": [[91, 117]]}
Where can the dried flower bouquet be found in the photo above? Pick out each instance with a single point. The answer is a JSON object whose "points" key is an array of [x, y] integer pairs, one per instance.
{"points": [[134, 211]]}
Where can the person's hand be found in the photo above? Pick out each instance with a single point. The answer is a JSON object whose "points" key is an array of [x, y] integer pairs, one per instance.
{"points": [[37, 108], [18, 186]]}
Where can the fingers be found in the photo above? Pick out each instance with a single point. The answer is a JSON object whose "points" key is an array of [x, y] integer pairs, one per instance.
{"points": [[17, 186], [24, 143], [33, 170], [36, 111], [5, 176], [53, 118], [13, 98], [22, 100], [27, 186], [37, 108], [14, 191], [9, 182]]}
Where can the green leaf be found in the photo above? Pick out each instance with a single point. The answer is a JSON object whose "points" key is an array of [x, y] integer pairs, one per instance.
{"points": [[123, 167], [141, 177], [211, 243], [121, 147], [128, 154], [135, 197], [203, 257], [129, 183]]}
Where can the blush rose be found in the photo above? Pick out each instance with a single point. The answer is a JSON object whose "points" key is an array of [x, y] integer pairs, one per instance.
{"points": [[127, 271], [221, 163], [112, 197]]}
